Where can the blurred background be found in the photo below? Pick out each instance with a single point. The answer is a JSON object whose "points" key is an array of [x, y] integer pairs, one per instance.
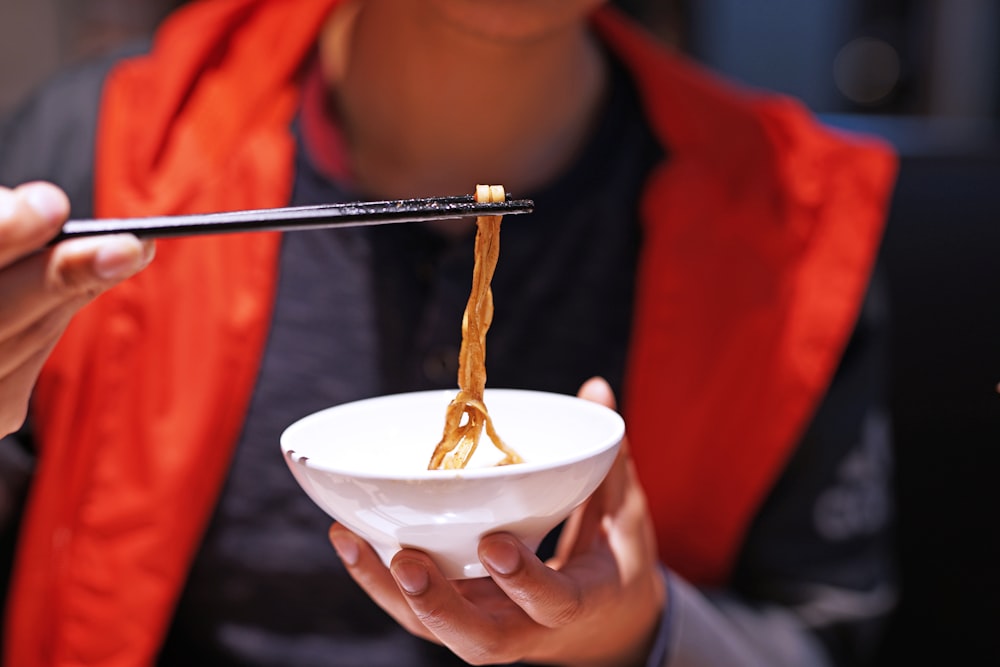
{"points": [[37, 37], [923, 74]]}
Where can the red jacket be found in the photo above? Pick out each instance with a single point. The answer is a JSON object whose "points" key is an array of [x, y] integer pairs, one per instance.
{"points": [[760, 233]]}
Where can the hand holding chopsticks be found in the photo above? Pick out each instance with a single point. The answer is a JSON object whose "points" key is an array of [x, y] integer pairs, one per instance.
{"points": [[41, 291]]}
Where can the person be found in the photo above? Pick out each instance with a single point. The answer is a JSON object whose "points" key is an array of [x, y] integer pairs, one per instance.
{"points": [[699, 254]]}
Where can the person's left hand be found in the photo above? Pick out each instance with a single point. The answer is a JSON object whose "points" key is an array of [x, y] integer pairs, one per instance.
{"points": [[597, 602]]}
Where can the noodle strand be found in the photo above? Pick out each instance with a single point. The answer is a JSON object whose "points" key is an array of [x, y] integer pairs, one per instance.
{"points": [[466, 415]]}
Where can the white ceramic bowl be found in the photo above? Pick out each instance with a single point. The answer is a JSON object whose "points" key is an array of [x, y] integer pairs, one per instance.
{"points": [[365, 464]]}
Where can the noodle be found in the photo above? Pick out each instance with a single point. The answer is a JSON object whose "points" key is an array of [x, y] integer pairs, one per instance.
{"points": [[461, 438]]}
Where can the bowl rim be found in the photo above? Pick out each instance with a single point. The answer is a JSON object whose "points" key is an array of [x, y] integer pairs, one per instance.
{"points": [[610, 442]]}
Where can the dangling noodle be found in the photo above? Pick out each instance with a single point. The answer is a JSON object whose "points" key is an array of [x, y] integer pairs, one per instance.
{"points": [[466, 416]]}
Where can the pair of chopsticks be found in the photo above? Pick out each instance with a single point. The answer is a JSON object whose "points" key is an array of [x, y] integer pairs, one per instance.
{"points": [[297, 217]]}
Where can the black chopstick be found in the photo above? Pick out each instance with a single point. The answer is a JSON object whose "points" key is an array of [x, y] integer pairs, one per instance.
{"points": [[289, 218]]}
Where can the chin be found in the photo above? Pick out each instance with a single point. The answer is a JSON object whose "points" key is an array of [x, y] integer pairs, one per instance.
{"points": [[512, 20]]}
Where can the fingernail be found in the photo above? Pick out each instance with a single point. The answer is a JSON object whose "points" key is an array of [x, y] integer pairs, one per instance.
{"points": [[411, 576], [148, 252], [117, 258], [44, 202], [501, 555], [8, 203], [346, 547]]}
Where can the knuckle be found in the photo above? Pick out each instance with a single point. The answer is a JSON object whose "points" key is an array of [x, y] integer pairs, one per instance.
{"points": [[433, 619], [553, 608], [485, 652], [74, 278], [67, 278], [566, 612], [415, 628]]}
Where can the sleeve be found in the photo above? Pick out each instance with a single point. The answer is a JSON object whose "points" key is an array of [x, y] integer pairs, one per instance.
{"points": [[815, 580]]}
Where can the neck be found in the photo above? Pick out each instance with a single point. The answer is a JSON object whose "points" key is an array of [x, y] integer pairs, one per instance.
{"points": [[431, 109]]}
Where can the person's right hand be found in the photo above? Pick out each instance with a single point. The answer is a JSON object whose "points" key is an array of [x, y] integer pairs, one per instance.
{"points": [[42, 288]]}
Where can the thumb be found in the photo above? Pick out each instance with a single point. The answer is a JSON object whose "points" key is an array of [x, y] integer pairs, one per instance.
{"points": [[584, 525], [597, 390], [92, 264]]}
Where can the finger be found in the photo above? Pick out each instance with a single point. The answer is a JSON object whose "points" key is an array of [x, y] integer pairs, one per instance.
{"points": [[368, 571], [96, 263], [70, 274], [468, 629], [584, 524], [612, 500], [598, 390], [616, 514], [30, 215], [551, 598]]}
